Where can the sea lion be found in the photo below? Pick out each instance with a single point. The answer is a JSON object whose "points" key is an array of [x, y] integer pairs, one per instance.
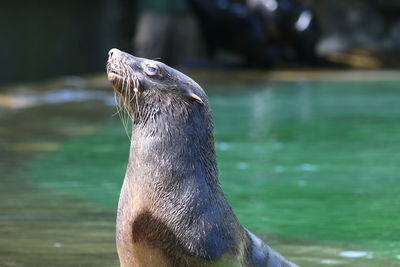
{"points": [[171, 210]]}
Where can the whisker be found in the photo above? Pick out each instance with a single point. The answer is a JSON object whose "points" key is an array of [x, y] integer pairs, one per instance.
{"points": [[127, 98]]}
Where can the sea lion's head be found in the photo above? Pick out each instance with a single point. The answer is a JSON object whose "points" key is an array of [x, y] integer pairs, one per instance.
{"points": [[142, 83]]}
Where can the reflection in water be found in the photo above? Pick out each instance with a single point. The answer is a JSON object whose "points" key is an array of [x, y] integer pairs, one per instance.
{"points": [[308, 167], [262, 110], [242, 165], [356, 254], [305, 102]]}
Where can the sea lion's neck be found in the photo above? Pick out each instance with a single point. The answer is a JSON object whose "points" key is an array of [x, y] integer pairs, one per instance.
{"points": [[175, 147]]}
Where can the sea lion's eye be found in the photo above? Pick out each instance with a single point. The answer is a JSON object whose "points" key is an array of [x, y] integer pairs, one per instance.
{"points": [[151, 70]]}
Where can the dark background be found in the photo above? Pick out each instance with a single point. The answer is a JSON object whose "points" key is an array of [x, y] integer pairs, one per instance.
{"points": [[44, 39]]}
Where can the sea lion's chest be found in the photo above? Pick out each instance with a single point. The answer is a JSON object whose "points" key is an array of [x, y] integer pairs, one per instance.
{"points": [[147, 240], [145, 255]]}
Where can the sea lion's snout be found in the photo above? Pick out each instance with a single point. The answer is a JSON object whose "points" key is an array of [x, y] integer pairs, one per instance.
{"points": [[119, 71], [117, 55], [113, 69], [112, 51]]}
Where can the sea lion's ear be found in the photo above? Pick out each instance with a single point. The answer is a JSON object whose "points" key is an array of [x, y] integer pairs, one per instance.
{"points": [[195, 97]]}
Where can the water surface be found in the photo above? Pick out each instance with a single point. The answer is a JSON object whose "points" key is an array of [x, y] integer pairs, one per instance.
{"points": [[310, 166]]}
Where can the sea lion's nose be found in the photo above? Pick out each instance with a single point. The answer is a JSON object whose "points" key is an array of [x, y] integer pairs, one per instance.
{"points": [[114, 52]]}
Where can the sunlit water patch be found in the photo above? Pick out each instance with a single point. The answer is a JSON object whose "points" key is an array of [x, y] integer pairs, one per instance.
{"points": [[26, 97]]}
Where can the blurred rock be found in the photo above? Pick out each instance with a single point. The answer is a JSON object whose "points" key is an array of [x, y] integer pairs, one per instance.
{"points": [[392, 40], [263, 32], [349, 24], [171, 37]]}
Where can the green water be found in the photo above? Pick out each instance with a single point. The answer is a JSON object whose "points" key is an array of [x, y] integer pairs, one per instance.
{"points": [[312, 167]]}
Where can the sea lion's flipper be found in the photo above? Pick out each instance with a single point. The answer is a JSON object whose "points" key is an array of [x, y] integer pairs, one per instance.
{"points": [[263, 255]]}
